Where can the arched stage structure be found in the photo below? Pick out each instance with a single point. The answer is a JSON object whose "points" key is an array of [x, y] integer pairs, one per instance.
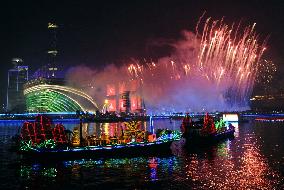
{"points": [[47, 96]]}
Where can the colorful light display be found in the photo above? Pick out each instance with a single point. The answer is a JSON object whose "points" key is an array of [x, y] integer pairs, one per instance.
{"points": [[56, 98], [133, 131], [210, 127], [214, 70], [40, 136], [166, 135]]}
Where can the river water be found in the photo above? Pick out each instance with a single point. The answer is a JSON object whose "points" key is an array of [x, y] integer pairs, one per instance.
{"points": [[254, 159]]}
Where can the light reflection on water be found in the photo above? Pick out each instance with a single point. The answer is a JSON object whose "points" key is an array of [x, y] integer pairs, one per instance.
{"points": [[246, 162], [241, 168]]}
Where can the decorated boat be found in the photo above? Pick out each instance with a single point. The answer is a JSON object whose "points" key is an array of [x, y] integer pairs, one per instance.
{"points": [[42, 139], [205, 131]]}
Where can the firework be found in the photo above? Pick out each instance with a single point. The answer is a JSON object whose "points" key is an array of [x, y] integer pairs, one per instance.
{"points": [[230, 57], [224, 56], [266, 72], [214, 69]]}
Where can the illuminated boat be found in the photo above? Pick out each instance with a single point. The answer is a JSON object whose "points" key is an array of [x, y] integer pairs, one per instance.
{"points": [[205, 131], [135, 149], [39, 140]]}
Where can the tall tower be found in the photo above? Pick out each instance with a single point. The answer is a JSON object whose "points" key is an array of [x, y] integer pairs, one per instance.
{"points": [[17, 77], [52, 51], [126, 102]]}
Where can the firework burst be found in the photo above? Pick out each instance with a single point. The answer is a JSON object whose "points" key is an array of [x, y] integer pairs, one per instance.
{"points": [[214, 69], [227, 57], [230, 57]]}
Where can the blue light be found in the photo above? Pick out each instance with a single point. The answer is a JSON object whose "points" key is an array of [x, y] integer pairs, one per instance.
{"points": [[39, 113], [151, 124]]}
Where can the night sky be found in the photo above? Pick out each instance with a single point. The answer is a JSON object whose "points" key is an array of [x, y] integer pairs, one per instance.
{"points": [[97, 33]]}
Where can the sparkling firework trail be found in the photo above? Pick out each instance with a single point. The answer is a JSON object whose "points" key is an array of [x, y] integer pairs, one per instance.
{"points": [[227, 58], [212, 70]]}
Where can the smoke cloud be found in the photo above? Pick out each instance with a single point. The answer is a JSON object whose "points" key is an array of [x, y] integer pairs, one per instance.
{"points": [[172, 84]]}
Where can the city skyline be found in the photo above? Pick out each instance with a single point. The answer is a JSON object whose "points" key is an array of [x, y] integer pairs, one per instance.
{"points": [[100, 33], [142, 94]]}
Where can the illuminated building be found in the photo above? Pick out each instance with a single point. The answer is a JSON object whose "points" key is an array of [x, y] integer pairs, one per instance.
{"points": [[126, 103], [124, 98], [50, 95], [47, 91], [16, 79], [110, 103], [52, 51], [268, 102]]}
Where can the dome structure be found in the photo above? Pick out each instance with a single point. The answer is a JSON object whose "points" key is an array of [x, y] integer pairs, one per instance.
{"points": [[45, 95]]}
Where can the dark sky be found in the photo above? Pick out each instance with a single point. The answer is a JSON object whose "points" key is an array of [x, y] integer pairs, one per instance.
{"points": [[97, 33]]}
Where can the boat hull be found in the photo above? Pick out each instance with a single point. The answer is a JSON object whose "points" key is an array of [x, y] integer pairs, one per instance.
{"points": [[197, 141], [130, 150]]}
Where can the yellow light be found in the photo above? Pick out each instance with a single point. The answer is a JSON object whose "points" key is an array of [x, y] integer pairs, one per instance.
{"points": [[52, 25]]}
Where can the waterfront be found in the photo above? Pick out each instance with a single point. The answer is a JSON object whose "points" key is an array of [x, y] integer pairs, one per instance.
{"points": [[253, 160]]}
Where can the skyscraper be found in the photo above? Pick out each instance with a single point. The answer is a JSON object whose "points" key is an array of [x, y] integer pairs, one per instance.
{"points": [[17, 77], [52, 51]]}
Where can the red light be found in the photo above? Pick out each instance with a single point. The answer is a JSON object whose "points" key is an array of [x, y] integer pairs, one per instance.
{"points": [[110, 90], [112, 105], [122, 88]]}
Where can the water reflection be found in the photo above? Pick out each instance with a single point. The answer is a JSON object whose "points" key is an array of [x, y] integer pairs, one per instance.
{"points": [[228, 165], [237, 166], [27, 172], [153, 168], [236, 125], [252, 160], [140, 169]]}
